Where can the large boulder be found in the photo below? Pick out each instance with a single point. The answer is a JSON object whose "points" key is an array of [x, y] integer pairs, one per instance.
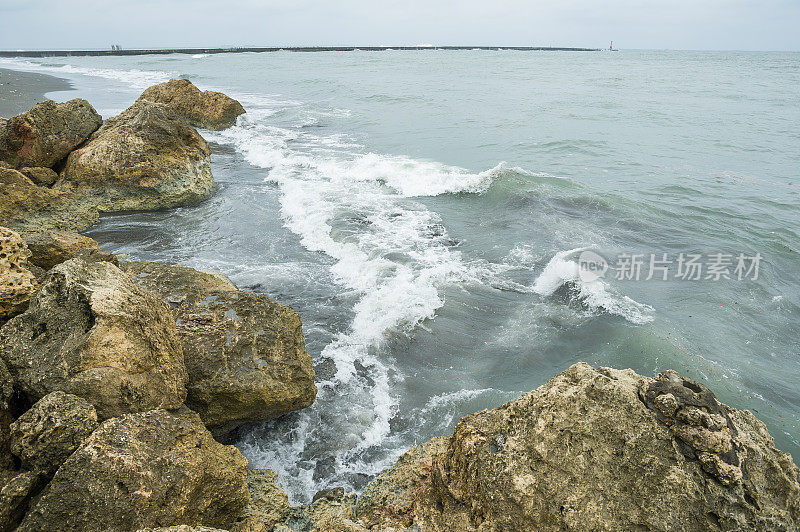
{"points": [[150, 469], [245, 354], [146, 158], [48, 433], [16, 281], [50, 248], [45, 134], [91, 331], [27, 207], [601, 449], [206, 109]]}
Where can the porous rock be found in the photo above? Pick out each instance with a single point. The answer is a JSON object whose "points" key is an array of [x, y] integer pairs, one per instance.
{"points": [[603, 449], [40, 175], [9, 176], [149, 469], [145, 158], [50, 248], [15, 498], [46, 133], [16, 281], [206, 109], [26, 207], [269, 509], [91, 331], [47, 434]]}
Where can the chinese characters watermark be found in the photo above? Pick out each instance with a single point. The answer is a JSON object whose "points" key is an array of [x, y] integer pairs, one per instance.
{"points": [[664, 267]]}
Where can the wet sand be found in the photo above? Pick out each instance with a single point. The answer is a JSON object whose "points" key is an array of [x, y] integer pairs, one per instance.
{"points": [[19, 91]]}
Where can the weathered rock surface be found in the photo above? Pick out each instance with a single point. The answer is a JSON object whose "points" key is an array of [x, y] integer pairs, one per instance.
{"points": [[27, 207], [6, 418], [15, 498], [245, 354], [54, 247], [9, 176], [268, 503], [44, 177], [332, 511], [389, 500], [146, 158], [150, 469], [95, 255], [269, 509], [181, 528], [47, 434], [206, 109], [16, 281], [598, 450], [46, 133], [91, 331]]}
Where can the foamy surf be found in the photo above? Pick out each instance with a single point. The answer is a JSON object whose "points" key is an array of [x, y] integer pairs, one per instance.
{"points": [[597, 295], [390, 252], [135, 78]]}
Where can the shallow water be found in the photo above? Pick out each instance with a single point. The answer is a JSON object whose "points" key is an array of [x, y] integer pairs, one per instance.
{"points": [[424, 211]]}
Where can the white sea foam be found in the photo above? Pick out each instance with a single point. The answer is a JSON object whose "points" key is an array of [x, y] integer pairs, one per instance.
{"points": [[389, 251], [200, 56], [138, 79], [563, 270]]}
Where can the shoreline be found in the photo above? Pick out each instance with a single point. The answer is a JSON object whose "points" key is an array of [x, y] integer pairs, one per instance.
{"points": [[239, 50], [21, 90], [216, 358]]}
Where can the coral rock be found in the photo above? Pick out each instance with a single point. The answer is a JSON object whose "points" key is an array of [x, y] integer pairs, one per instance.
{"points": [[16, 281]]}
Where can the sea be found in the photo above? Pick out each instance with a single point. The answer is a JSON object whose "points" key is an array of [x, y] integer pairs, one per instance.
{"points": [[456, 227]]}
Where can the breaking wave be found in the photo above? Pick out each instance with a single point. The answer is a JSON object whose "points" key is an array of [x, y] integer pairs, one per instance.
{"points": [[389, 251], [596, 295]]}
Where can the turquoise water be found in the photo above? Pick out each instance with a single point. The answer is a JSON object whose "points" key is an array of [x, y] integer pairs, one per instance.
{"points": [[424, 212]]}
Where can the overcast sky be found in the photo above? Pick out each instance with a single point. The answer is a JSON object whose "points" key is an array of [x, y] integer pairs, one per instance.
{"points": [[676, 24]]}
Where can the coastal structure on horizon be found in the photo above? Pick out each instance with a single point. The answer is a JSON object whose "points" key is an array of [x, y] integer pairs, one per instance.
{"points": [[165, 51]]}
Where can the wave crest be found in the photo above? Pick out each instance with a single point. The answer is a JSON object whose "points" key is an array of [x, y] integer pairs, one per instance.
{"points": [[596, 295]]}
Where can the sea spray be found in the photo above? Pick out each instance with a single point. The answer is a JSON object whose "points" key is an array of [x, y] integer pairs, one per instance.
{"points": [[596, 294]]}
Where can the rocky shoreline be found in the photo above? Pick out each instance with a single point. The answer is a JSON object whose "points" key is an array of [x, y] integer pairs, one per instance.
{"points": [[121, 382]]}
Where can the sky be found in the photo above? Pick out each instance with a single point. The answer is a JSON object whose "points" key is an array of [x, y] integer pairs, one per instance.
{"points": [[653, 24]]}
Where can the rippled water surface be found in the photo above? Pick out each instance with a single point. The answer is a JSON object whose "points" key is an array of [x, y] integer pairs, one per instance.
{"points": [[424, 212]]}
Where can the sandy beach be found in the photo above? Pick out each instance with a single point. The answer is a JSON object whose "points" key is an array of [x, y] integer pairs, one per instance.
{"points": [[19, 91]]}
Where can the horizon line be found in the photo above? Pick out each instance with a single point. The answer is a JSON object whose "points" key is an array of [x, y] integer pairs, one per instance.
{"points": [[261, 49]]}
